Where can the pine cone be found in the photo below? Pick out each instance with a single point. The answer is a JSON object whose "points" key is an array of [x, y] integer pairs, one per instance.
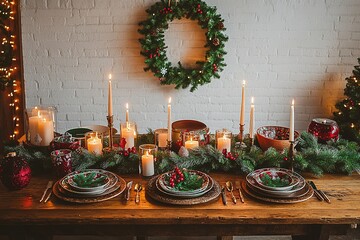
{"points": [[216, 42]]}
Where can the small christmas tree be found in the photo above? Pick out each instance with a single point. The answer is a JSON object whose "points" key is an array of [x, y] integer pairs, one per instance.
{"points": [[348, 114]]}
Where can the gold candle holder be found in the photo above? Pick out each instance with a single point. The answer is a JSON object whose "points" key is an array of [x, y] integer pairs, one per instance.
{"points": [[241, 133], [110, 120]]}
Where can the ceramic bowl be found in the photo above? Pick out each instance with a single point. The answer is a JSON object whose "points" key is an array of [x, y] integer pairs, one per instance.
{"points": [[274, 136]]}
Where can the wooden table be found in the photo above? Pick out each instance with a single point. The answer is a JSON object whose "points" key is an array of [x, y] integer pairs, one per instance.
{"points": [[21, 214]]}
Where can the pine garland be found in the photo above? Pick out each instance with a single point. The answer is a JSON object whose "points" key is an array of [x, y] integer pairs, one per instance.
{"points": [[154, 48], [342, 156]]}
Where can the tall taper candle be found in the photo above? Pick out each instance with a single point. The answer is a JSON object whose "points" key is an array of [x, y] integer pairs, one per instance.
{"points": [[127, 112], [110, 106], [242, 111], [291, 134], [169, 120], [252, 119]]}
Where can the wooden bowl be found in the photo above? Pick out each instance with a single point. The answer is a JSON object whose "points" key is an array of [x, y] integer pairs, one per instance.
{"points": [[274, 136]]}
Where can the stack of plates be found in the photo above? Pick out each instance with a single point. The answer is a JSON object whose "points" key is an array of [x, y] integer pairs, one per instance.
{"points": [[163, 186], [277, 185], [88, 186], [160, 190]]}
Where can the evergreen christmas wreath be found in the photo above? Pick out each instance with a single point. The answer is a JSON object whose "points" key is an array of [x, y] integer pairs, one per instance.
{"points": [[154, 48]]}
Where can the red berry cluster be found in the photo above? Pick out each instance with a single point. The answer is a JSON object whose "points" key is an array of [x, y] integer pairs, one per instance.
{"points": [[176, 177], [198, 10], [127, 152], [166, 10], [229, 155], [215, 68]]}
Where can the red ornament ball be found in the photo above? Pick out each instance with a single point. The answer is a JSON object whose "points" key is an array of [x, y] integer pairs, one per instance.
{"points": [[15, 172], [324, 129]]}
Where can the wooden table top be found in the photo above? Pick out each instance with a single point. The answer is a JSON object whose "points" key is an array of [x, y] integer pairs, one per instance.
{"points": [[23, 207]]}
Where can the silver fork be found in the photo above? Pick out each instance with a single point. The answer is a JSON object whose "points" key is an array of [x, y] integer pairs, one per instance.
{"points": [[237, 186], [48, 186]]}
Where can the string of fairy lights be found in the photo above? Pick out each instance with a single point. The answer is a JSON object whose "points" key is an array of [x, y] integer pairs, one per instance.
{"points": [[8, 71]]}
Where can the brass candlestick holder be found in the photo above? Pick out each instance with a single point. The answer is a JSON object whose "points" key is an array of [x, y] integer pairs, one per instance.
{"points": [[241, 133], [291, 156], [110, 120]]}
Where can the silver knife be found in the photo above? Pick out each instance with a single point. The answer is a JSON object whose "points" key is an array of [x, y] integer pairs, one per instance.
{"points": [[127, 195], [223, 195], [323, 195], [316, 191]]}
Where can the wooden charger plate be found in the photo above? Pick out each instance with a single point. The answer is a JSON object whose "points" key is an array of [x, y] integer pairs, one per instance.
{"points": [[152, 191], [301, 198], [72, 198]]}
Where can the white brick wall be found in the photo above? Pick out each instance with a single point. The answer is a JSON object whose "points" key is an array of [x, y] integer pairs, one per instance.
{"points": [[284, 49]]}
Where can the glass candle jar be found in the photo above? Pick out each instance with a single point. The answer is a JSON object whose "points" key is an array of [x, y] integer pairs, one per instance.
{"points": [[223, 139], [40, 125], [161, 136], [147, 156], [191, 140], [94, 142], [128, 132]]}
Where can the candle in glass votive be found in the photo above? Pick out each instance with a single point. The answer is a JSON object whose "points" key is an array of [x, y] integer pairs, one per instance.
{"points": [[224, 143], [33, 129], [45, 130], [162, 140], [191, 144], [94, 145], [147, 164], [129, 136]]}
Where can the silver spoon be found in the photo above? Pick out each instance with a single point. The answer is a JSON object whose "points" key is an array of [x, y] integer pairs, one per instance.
{"points": [[230, 188], [137, 188]]}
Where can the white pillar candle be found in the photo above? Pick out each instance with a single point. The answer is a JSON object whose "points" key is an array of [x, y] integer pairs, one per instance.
{"points": [[33, 129], [242, 110], [110, 106], [94, 145], [169, 121], [291, 134], [147, 164], [162, 137], [191, 144], [129, 135], [45, 131], [252, 119], [127, 113], [224, 143]]}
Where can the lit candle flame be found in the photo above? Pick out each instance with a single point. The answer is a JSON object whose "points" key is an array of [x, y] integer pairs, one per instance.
{"points": [[110, 76], [169, 100], [127, 106], [293, 102], [244, 82], [252, 100]]}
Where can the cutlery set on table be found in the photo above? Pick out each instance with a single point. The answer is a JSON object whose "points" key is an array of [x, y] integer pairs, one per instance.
{"points": [[184, 187]]}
